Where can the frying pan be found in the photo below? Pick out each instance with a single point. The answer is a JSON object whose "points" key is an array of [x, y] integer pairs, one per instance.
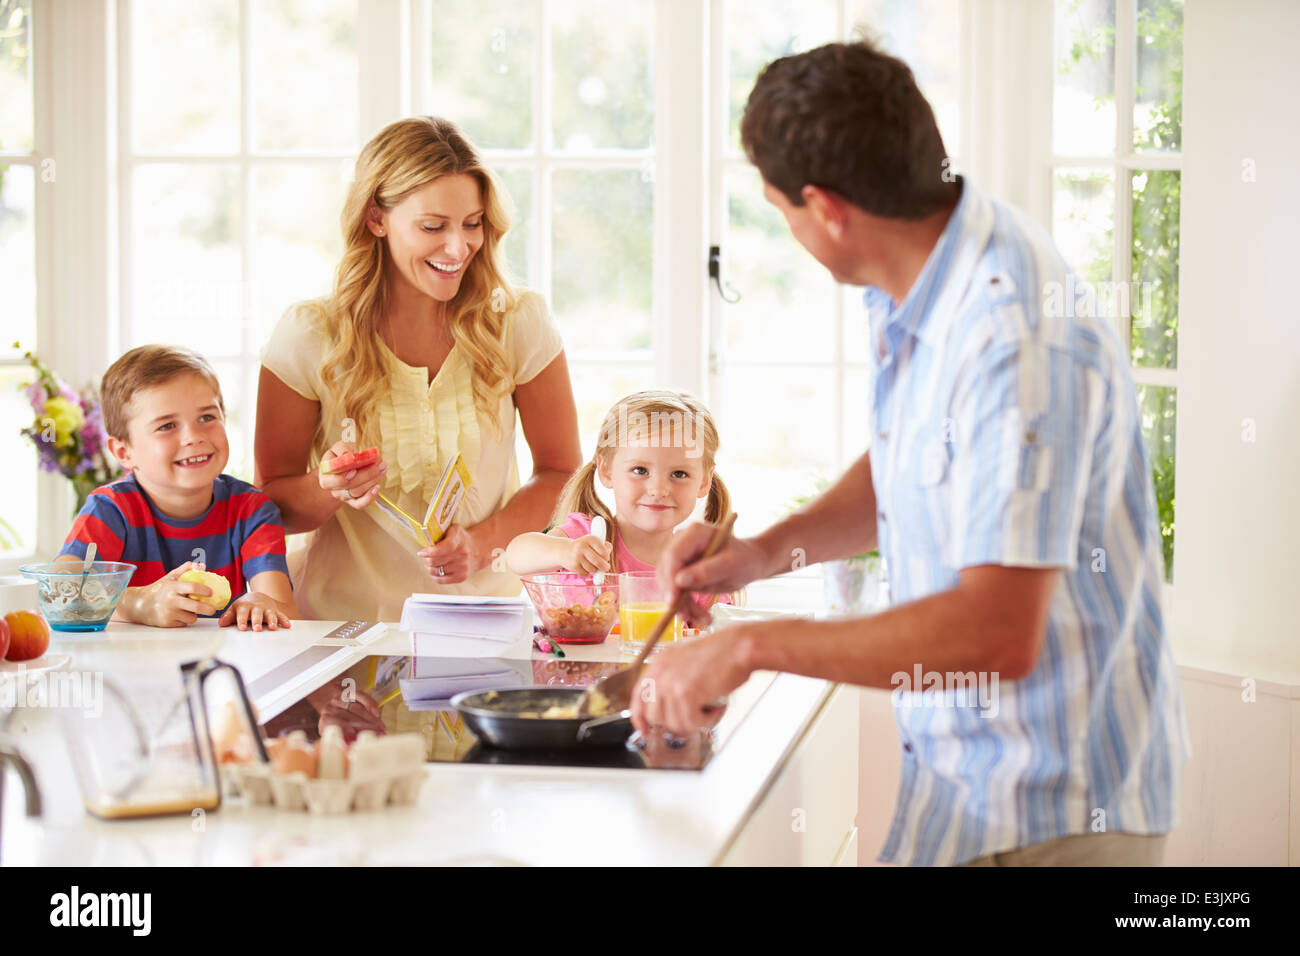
{"points": [[494, 718]]}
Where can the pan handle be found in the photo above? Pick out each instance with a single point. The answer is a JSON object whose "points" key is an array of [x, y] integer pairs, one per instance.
{"points": [[584, 729]]}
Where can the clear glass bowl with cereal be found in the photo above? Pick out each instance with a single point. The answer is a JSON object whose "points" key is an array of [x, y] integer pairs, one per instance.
{"points": [[74, 598], [573, 609]]}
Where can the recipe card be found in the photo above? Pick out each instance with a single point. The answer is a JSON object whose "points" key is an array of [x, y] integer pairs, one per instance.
{"points": [[442, 509]]}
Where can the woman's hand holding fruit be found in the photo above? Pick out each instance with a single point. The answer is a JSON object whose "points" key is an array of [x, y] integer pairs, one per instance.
{"points": [[351, 476]]}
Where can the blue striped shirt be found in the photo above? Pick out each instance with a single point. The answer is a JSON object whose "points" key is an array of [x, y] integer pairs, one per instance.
{"points": [[1005, 430]]}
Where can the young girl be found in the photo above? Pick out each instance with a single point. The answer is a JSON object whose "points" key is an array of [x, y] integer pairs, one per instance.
{"points": [[656, 452]]}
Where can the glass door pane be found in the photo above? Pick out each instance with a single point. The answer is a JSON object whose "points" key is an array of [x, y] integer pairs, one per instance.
{"points": [[1083, 101], [1158, 97], [16, 103], [484, 66], [603, 80], [185, 76]]}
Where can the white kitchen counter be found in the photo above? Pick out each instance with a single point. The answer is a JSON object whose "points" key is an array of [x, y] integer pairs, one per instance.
{"points": [[473, 813]]}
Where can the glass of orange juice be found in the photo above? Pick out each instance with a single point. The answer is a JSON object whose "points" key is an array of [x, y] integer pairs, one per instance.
{"points": [[641, 603]]}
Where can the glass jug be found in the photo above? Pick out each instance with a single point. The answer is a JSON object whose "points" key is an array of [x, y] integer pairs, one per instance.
{"points": [[125, 770]]}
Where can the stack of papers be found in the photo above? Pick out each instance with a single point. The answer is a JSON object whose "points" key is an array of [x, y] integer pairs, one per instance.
{"points": [[435, 679], [464, 625]]}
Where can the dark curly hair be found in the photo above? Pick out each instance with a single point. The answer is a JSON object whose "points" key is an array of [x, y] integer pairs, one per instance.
{"points": [[849, 118]]}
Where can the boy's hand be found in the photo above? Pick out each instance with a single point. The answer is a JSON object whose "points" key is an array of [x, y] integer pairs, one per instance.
{"points": [[589, 554], [255, 608], [167, 602]]}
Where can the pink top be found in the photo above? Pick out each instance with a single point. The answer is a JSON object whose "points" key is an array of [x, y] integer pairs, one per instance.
{"points": [[578, 525]]}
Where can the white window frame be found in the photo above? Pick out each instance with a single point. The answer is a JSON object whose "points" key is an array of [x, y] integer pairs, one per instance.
{"points": [[722, 160], [248, 160], [1123, 162], [73, 213], [84, 47], [678, 286]]}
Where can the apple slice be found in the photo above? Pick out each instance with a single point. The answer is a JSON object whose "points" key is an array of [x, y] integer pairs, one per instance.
{"points": [[218, 585], [340, 464]]}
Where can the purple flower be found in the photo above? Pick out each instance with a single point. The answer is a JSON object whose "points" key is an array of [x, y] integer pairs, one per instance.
{"points": [[49, 459], [35, 396], [90, 441]]}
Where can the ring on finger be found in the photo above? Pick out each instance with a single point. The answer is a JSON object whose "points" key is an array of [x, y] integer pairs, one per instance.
{"points": [[348, 492], [442, 572]]}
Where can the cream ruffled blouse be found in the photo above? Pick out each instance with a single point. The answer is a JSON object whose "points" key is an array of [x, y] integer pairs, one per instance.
{"points": [[358, 566]]}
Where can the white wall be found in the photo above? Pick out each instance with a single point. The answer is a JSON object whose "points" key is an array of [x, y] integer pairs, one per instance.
{"points": [[1234, 610], [1238, 510]]}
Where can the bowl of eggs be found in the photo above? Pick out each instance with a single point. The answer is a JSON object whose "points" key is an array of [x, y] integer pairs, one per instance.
{"points": [[574, 610]]}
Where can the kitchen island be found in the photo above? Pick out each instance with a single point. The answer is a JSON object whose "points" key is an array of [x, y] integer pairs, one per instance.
{"points": [[782, 790]]}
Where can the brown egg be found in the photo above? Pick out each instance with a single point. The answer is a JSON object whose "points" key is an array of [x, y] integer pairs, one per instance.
{"points": [[295, 755]]}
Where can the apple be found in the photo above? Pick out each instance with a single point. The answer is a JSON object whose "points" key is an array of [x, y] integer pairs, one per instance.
{"points": [[217, 584], [4, 638], [29, 635]]}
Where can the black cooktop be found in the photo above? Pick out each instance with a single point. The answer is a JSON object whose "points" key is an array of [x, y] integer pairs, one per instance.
{"points": [[412, 694]]}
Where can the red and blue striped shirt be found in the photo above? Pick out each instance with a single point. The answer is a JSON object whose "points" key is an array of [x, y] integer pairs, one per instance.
{"points": [[238, 537]]}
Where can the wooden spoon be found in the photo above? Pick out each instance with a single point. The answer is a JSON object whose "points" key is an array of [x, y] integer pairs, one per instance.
{"points": [[613, 694]]}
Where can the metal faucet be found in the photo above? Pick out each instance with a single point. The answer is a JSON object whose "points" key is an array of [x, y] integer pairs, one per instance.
{"points": [[11, 755]]}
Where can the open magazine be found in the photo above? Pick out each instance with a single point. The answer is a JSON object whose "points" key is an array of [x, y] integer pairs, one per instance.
{"points": [[442, 509]]}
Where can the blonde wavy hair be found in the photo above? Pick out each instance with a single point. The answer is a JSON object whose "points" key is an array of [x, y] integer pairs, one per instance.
{"points": [[403, 157], [644, 412]]}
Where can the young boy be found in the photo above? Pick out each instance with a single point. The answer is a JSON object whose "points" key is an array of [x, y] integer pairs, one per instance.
{"points": [[176, 511]]}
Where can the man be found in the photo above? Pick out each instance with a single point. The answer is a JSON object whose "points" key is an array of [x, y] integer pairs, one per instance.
{"points": [[1006, 486]]}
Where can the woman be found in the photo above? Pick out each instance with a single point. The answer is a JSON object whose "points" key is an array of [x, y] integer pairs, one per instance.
{"points": [[425, 350]]}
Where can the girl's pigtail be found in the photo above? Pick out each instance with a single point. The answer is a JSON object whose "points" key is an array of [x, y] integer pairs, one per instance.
{"points": [[718, 505], [579, 495], [716, 508]]}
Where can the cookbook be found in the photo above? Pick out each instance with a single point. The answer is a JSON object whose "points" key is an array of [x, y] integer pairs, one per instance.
{"points": [[442, 509]]}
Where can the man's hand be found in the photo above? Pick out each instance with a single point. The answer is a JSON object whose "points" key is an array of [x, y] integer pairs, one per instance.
{"points": [[167, 602], [737, 562], [255, 608], [457, 555], [679, 692]]}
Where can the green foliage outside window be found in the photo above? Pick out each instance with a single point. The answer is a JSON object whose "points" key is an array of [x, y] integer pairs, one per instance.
{"points": [[1155, 241]]}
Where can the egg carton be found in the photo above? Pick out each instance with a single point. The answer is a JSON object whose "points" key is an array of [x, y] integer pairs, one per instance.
{"points": [[386, 771]]}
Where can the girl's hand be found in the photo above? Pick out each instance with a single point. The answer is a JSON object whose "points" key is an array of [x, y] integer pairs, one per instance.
{"points": [[589, 554], [356, 488], [454, 558], [257, 609], [167, 602]]}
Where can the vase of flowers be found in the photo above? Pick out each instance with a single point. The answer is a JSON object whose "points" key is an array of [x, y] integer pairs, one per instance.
{"points": [[68, 431]]}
